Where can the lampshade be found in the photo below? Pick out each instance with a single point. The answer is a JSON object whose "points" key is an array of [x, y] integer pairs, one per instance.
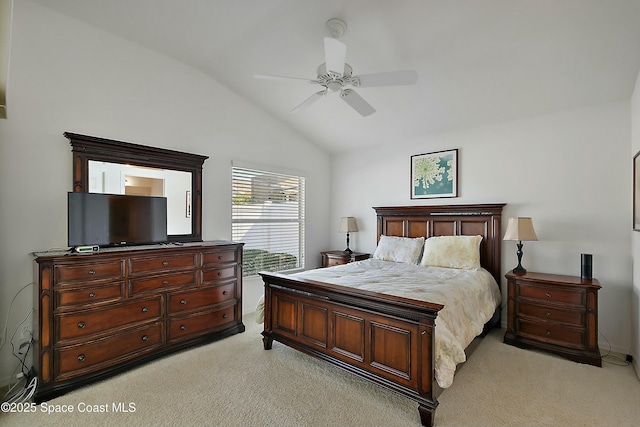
{"points": [[348, 224], [520, 228]]}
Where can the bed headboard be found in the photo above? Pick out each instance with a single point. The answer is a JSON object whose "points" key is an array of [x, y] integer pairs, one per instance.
{"points": [[448, 220]]}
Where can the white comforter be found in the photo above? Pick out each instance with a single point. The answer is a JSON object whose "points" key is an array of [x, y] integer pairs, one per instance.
{"points": [[470, 298]]}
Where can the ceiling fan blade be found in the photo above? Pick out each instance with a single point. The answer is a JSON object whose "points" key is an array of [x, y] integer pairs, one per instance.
{"points": [[335, 53], [390, 78], [357, 102], [267, 77], [309, 101]]}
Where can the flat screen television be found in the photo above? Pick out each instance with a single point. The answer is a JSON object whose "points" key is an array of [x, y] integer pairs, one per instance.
{"points": [[114, 219]]}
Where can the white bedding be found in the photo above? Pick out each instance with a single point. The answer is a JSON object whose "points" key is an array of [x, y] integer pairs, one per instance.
{"points": [[470, 298]]}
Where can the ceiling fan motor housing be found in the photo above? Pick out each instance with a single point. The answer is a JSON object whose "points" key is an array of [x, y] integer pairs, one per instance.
{"points": [[335, 82]]}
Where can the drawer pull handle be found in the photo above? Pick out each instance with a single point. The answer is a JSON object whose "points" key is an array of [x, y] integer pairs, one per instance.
{"points": [[81, 325], [548, 295], [224, 316], [548, 314], [548, 333], [165, 282], [219, 273], [92, 295], [165, 263], [145, 338], [220, 257], [183, 328], [183, 301], [225, 292], [92, 272], [145, 310], [81, 358]]}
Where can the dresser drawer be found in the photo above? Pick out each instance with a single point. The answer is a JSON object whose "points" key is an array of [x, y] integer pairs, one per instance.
{"points": [[547, 313], [553, 333], [218, 257], [89, 271], [201, 298], [330, 262], [107, 351], [554, 294], [89, 294], [82, 323], [218, 275], [161, 263], [137, 286], [194, 325]]}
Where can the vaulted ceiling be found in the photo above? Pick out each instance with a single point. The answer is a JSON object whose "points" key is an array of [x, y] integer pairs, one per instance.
{"points": [[479, 61]]}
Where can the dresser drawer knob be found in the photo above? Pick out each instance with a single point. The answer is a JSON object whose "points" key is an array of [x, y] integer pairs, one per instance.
{"points": [[92, 295], [183, 328], [145, 338], [92, 272], [548, 295], [183, 301], [165, 282], [225, 292], [81, 325], [220, 257], [219, 273], [145, 309], [81, 358], [224, 316], [548, 314], [548, 333], [165, 263]]}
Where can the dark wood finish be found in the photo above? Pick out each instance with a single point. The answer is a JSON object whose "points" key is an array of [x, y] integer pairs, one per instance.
{"points": [[555, 313], [331, 258], [103, 313], [85, 148], [386, 339]]}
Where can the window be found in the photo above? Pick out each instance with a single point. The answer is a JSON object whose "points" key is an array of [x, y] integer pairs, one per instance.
{"points": [[268, 217]]}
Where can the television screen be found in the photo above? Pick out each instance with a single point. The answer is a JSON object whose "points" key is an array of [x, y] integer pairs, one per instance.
{"points": [[113, 219]]}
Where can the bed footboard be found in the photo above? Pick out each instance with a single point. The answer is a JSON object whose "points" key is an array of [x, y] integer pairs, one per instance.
{"points": [[386, 339]]}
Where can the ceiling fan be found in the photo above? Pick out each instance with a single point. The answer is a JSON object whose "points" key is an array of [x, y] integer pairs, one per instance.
{"points": [[335, 75]]}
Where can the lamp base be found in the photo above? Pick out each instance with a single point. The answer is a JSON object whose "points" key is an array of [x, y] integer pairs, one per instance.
{"points": [[519, 270], [348, 251]]}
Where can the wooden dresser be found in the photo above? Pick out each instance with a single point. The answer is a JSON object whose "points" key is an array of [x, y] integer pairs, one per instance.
{"points": [[103, 313], [554, 313]]}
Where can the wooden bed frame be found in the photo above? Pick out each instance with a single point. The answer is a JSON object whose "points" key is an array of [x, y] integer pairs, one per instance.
{"points": [[386, 339]]}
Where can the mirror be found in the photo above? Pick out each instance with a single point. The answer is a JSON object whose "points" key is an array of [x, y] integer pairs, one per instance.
{"points": [[108, 166]]}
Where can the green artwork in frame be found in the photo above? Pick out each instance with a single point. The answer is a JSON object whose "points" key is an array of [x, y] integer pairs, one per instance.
{"points": [[434, 175]]}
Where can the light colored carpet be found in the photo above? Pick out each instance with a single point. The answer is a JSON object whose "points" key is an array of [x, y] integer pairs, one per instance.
{"points": [[234, 382]]}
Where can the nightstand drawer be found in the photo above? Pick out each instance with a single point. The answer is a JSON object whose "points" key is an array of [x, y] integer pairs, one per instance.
{"points": [[554, 294], [564, 335], [546, 313]]}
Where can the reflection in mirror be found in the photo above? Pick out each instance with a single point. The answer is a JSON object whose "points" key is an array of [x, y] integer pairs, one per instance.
{"points": [[117, 178]]}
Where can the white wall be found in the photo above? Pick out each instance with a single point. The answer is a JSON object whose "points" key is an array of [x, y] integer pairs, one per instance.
{"points": [[569, 171], [635, 236], [67, 76]]}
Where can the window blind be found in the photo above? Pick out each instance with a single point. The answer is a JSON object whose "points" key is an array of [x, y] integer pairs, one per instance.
{"points": [[268, 211]]}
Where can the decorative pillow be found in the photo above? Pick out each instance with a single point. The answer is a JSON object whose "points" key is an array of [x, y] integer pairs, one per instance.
{"points": [[452, 252], [399, 249]]}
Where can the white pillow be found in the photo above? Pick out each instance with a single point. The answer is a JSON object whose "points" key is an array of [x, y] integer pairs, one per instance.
{"points": [[399, 249], [452, 252]]}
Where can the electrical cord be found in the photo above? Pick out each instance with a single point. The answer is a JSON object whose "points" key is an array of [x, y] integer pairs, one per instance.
{"points": [[3, 338], [608, 357]]}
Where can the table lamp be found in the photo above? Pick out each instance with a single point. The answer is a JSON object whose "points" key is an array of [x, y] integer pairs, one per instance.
{"points": [[520, 229], [348, 225]]}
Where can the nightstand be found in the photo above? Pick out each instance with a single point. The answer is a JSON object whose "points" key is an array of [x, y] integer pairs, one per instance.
{"points": [[554, 313], [330, 258]]}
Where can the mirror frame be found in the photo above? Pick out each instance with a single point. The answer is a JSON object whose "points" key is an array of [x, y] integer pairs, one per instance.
{"points": [[85, 148]]}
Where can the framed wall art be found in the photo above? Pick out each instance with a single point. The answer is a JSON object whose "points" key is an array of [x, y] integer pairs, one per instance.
{"points": [[434, 175], [636, 192]]}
